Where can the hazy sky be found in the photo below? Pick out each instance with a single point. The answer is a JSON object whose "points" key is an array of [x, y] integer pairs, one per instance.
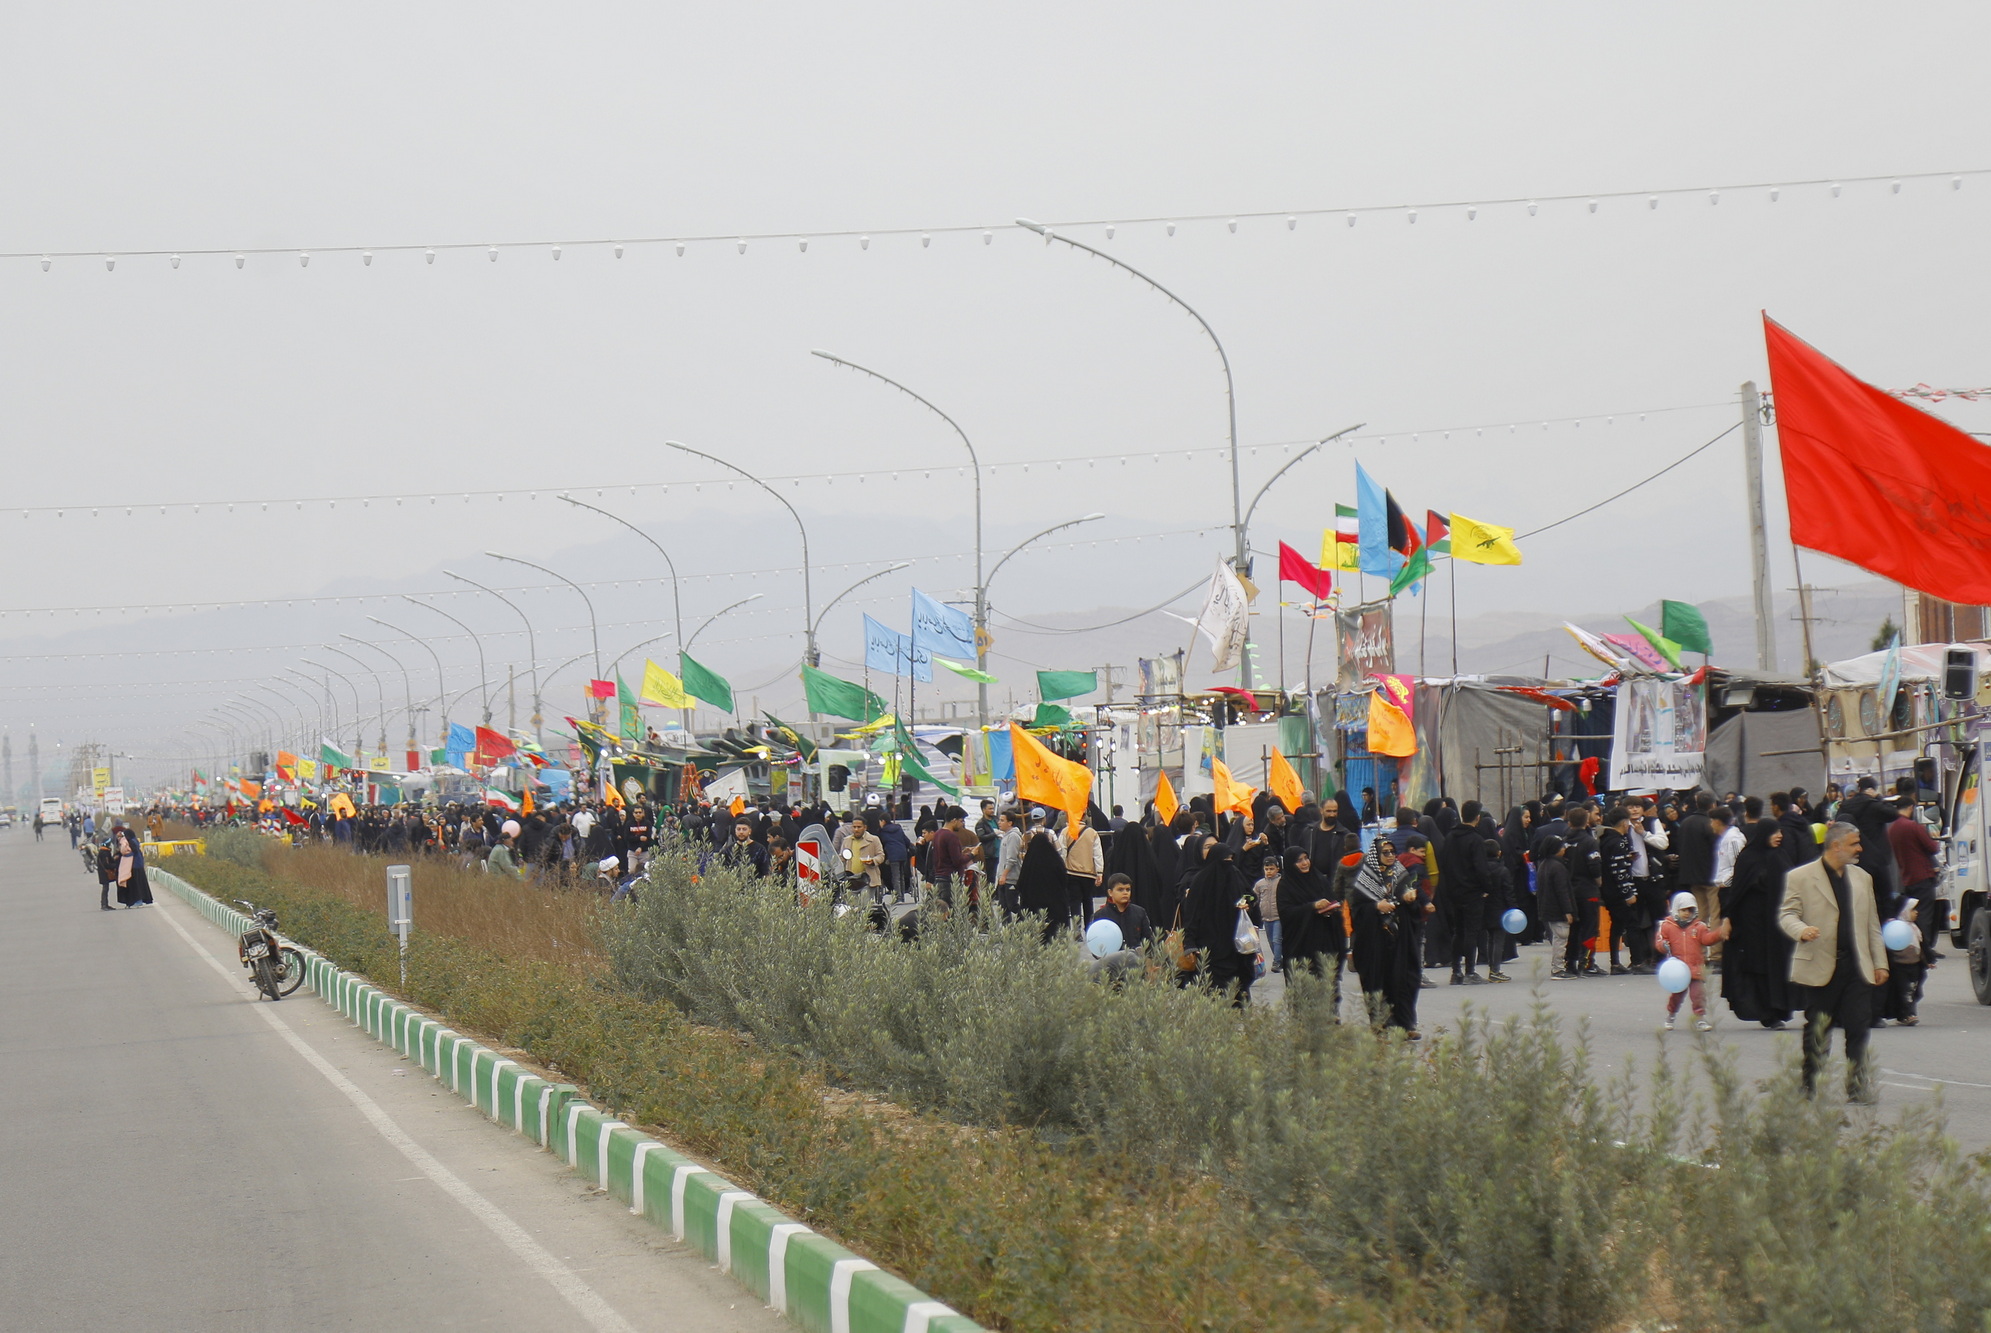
{"points": [[209, 127]]}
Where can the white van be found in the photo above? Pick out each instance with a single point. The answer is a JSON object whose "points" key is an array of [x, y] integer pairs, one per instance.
{"points": [[51, 810]]}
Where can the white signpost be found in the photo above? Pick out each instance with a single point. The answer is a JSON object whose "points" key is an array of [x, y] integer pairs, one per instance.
{"points": [[401, 910]]}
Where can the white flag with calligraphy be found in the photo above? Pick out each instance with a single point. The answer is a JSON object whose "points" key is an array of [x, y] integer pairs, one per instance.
{"points": [[1223, 618]]}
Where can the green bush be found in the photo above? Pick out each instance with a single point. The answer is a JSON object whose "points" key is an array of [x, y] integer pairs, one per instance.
{"points": [[1084, 1157], [242, 846]]}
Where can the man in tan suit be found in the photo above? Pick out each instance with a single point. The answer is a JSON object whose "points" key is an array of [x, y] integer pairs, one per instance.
{"points": [[1839, 961]]}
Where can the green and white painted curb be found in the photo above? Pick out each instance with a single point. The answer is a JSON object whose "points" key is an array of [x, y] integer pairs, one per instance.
{"points": [[814, 1281]]}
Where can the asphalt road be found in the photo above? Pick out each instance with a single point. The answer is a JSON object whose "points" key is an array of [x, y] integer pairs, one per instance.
{"points": [[174, 1160], [1950, 1048]]}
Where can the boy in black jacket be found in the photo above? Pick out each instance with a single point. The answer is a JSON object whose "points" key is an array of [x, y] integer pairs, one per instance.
{"points": [[1555, 902]]}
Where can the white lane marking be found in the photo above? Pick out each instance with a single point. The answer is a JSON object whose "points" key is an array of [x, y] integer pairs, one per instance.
{"points": [[777, 1263], [587, 1302], [1930, 1078], [840, 1277]]}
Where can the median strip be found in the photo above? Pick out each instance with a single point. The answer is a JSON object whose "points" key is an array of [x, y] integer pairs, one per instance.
{"points": [[817, 1283]]}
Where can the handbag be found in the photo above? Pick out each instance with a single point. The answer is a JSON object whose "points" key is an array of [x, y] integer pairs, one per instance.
{"points": [[1185, 959]]}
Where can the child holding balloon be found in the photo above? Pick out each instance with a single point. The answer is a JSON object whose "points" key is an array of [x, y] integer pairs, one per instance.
{"points": [[1685, 938]]}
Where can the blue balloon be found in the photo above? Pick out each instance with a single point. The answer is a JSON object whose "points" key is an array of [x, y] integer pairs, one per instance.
{"points": [[1103, 937], [1514, 921], [1674, 975], [1897, 934]]}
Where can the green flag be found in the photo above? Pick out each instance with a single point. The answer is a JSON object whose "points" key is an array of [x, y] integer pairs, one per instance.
{"points": [[702, 682], [329, 753], [1662, 645], [1055, 685], [1683, 623], [1346, 511], [632, 721], [1413, 569], [782, 731], [909, 759], [836, 696], [963, 669], [1052, 715]]}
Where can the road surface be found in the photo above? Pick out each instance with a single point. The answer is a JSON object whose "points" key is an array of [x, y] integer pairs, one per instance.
{"points": [[1951, 1045], [174, 1161]]}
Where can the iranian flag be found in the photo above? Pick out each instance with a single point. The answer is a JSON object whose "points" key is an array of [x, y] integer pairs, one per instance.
{"points": [[502, 800]]}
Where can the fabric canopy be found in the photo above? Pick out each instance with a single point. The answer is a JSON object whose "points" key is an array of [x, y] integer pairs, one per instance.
{"points": [[1876, 482]]}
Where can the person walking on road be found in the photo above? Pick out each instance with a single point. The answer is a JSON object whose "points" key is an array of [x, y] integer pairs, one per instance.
{"points": [[1839, 960]]}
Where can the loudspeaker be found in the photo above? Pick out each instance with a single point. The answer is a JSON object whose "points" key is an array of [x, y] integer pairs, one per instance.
{"points": [[839, 776], [1960, 673]]}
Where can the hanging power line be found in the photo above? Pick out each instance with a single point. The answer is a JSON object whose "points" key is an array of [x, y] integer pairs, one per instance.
{"points": [[741, 241], [1634, 486]]}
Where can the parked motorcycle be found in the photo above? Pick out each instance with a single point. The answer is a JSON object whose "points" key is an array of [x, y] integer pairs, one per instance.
{"points": [[278, 968]]}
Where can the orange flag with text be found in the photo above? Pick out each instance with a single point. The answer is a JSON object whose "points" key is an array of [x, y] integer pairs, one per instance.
{"points": [[1165, 803], [1284, 782], [1045, 778]]}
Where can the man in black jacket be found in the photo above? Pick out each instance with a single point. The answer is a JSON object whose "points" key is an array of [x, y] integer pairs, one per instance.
{"points": [[1614, 846], [1586, 876], [1462, 886], [1695, 846], [1869, 814], [1800, 843]]}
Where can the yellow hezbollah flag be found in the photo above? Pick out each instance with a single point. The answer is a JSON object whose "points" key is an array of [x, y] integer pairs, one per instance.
{"points": [[661, 689], [1165, 803], [342, 804], [1390, 731], [1230, 794], [1483, 543], [1283, 781], [1046, 779], [1338, 554]]}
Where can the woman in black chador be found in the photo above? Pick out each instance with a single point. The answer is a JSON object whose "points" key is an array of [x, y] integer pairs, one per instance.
{"points": [[1756, 960], [1386, 912]]}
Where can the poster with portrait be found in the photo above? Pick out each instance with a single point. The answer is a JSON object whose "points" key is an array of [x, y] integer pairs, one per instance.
{"points": [[1367, 644], [1659, 737]]}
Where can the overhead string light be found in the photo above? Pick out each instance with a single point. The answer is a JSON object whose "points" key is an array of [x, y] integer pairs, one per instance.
{"points": [[993, 470], [394, 598], [1233, 223]]}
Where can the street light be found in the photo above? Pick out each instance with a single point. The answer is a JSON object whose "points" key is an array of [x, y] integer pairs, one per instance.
{"points": [[331, 699], [677, 602], [1056, 527], [359, 734], [889, 569], [481, 672], [1295, 461], [531, 644], [379, 694], [1242, 555], [981, 587], [594, 627], [754, 597], [442, 713], [810, 655], [407, 686]]}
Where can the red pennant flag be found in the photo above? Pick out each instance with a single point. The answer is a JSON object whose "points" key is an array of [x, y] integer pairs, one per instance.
{"points": [[1877, 482], [292, 817], [1296, 568], [493, 744], [601, 689]]}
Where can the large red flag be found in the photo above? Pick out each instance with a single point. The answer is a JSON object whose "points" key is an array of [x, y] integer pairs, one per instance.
{"points": [[493, 745], [1877, 482], [1296, 568]]}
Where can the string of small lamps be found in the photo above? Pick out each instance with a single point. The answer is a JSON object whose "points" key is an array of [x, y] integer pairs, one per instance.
{"points": [[1235, 222]]}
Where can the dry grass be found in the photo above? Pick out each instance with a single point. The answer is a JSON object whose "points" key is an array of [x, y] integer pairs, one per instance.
{"points": [[513, 918]]}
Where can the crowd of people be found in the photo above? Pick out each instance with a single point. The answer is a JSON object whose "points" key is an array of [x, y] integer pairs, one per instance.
{"points": [[1614, 885]]}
